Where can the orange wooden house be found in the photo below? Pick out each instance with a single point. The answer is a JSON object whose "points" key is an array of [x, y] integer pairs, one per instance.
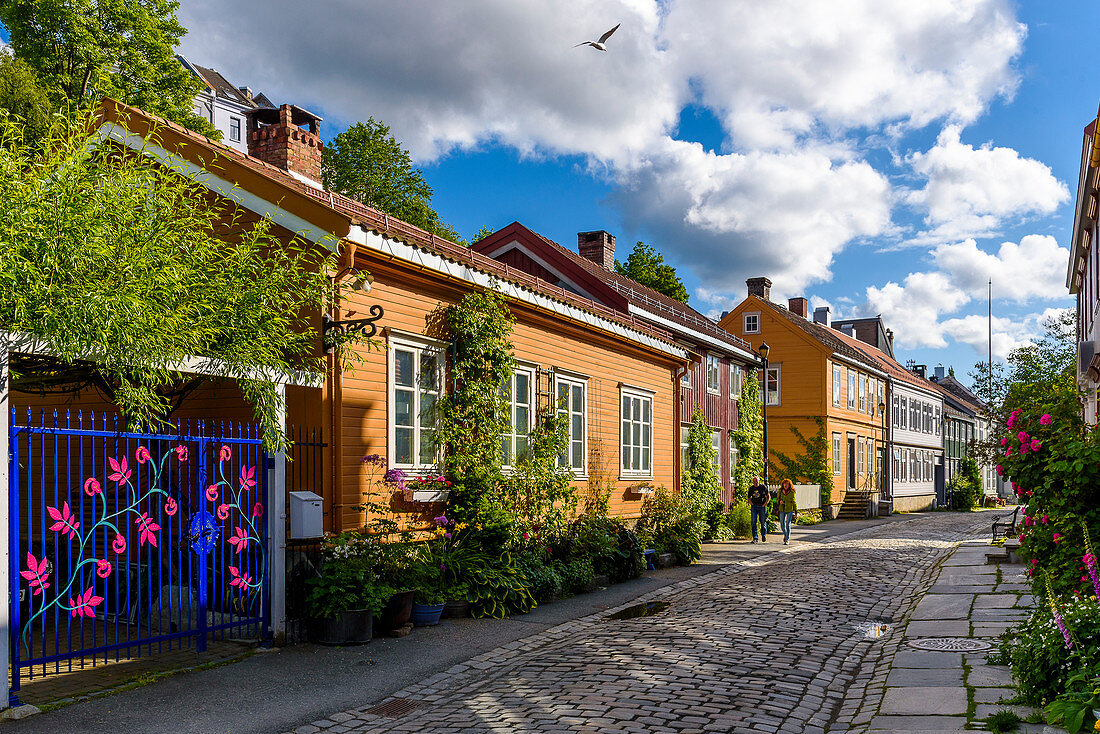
{"points": [[615, 375]]}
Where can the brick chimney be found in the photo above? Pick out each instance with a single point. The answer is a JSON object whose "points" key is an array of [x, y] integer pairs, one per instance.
{"points": [[799, 306], [761, 287], [287, 138], [598, 246]]}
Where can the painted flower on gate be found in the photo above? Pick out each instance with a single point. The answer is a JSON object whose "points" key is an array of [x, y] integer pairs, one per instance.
{"points": [[147, 530], [225, 454], [142, 455], [103, 568], [92, 487], [37, 572], [238, 579], [64, 521], [1046, 420], [248, 474], [120, 471], [181, 453], [239, 540], [119, 546], [85, 604], [212, 493], [170, 506], [223, 511]]}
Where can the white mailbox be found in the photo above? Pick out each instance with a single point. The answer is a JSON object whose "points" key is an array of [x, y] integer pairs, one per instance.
{"points": [[306, 515]]}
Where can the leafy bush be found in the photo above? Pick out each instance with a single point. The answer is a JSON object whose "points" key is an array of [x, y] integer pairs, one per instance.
{"points": [[966, 486], [1041, 663], [497, 589], [735, 522], [615, 551], [680, 539], [575, 574], [540, 576], [348, 579]]}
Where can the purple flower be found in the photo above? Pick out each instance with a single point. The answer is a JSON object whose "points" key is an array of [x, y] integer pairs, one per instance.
{"points": [[447, 536], [395, 476], [1035, 445], [443, 567], [441, 520], [1022, 435], [372, 459], [1062, 627]]}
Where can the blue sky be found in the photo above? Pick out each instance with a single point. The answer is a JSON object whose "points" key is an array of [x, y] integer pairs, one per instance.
{"points": [[875, 156]]}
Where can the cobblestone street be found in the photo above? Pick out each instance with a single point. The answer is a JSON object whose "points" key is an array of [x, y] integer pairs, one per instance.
{"points": [[767, 645]]}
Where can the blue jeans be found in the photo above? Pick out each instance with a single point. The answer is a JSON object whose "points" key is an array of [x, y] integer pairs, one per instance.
{"points": [[785, 524], [759, 512]]}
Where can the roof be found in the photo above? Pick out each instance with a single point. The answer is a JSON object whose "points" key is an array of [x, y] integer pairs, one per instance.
{"points": [[626, 293], [218, 157], [1085, 210], [217, 83], [960, 394]]}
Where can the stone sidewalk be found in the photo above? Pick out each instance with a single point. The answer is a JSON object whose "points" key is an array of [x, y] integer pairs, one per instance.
{"points": [[929, 678]]}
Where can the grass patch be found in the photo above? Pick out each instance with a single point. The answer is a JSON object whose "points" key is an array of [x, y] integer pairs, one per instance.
{"points": [[1003, 721]]}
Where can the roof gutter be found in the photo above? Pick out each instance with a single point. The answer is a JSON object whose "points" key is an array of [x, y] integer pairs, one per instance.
{"points": [[855, 363], [697, 335]]}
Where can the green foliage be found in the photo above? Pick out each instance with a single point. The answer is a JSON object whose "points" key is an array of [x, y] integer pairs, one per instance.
{"points": [[966, 486], [87, 49], [736, 523], [498, 589], [811, 466], [540, 575], [368, 164], [124, 268], [1003, 721], [575, 574], [647, 266], [1073, 709], [482, 234], [539, 492], [681, 539], [1041, 663], [749, 436], [615, 551], [700, 486], [348, 579], [24, 98]]}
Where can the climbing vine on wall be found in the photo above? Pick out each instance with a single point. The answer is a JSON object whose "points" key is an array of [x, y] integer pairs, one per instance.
{"points": [[811, 466], [749, 436], [700, 485]]}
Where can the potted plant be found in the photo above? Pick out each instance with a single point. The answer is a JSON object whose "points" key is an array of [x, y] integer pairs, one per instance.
{"points": [[458, 604], [428, 604], [427, 489], [346, 595]]}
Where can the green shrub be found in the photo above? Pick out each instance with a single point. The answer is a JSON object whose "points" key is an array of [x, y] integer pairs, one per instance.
{"points": [[540, 576], [575, 574], [1037, 652], [739, 520], [680, 539], [1003, 721], [965, 487]]}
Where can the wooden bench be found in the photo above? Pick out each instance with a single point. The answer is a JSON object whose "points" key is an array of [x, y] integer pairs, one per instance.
{"points": [[1005, 528]]}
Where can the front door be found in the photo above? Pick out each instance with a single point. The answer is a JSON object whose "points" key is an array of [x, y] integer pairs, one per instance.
{"points": [[851, 463]]}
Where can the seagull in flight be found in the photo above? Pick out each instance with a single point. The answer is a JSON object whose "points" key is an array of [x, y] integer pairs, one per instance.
{"points": [[599, 45]]}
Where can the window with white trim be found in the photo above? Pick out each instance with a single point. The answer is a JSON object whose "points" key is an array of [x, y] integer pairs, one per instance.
{"points": [[716, 444], [896, 408], [936, 421], [685, 443], [859, 455], [898, 473], [836, 384], [572, 400], [518, 391], [685, 379], [636, 435], [735, 381], [714, 373], [863, 393], [836, 454], [750, 323], [774, 384], [415, 378], [851, 388], [929, 466], [904, 412], [735, 454]]}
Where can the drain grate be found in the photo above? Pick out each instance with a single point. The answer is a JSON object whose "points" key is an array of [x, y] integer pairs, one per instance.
{"points": [[394, 708], [950, 644]]}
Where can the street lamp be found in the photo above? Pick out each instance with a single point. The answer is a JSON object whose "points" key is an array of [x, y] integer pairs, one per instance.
{"points": [[764, 350]]}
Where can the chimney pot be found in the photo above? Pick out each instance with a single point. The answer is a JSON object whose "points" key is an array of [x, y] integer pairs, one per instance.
{"points": [[799, 306], [759, 287], [276, 137], [597, 246], [821, 315], [940, 372]]}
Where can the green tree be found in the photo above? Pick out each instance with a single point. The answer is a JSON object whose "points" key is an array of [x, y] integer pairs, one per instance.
{"points": [[368, 164], [86, 49], [648, 267], [749, 436], [23, 97], [482, 234], [124, 269]]}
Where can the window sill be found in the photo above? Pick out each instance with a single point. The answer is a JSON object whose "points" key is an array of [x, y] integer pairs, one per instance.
{"points": [[636, 478], [713, 391]]}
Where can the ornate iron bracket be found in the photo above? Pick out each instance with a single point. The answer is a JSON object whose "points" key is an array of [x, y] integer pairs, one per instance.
{"points": [[332, 330]]}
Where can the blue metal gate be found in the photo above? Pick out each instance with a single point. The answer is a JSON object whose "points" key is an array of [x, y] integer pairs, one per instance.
{"points": [[126, 544]]}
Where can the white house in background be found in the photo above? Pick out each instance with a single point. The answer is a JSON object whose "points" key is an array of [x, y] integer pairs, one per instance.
{"points": [[224, 105], [1083, 276], [916, 442]]}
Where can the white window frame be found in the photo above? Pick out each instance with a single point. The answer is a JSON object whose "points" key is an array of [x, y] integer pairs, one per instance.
{"points": [[903, 403], [716, 444], [859, 455], [838, 456], [851, 389], [572, 381], [734, 457], [862, 393], [752, 317], [685, 445], [735, 380], [237, 137], [774, 397], [418, 346], [837, 384], [898, 473], [714, 368], [513, 434], [936, 421], [626, 425]]}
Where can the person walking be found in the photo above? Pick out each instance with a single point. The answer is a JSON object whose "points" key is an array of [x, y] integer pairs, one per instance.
{"points": [[787, 505], [758, 507]]}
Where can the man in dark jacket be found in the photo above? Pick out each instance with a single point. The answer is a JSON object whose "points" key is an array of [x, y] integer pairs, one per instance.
{"points": [[758, 506]]}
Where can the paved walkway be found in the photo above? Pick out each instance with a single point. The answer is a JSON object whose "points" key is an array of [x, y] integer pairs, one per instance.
{"points": [[771, 644]]}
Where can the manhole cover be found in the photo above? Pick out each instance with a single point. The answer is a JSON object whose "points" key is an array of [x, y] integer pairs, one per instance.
{"points": [[394, 708], [639, 610], [949, 644]]}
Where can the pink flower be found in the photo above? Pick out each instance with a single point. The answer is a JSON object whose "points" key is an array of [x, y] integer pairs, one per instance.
{"points": [[36, 573], [238, 540], [1011, 422], [1004, 441], [92, 487], [212, 493], [1034, 561], [1024, 448], [119, 546], [1035, 445], [223, 511], [103, 568], [121, 471], [1000, 469], [170, 506], [1057, 538], [1021, 538], [181, 453], [64, 520], [257, 510], [142, 455], [239, 580], [1027, 521], [84, 603], [525, 536], [247, 477], [1046, 420], [1008, 451], [147, 530], [225, 454], [1046, 519], [1022, 435]]}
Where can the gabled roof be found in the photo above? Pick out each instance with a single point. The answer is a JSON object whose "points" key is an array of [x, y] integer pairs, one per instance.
{"points": [[336, 213], [214, 81], [618, 291], [961, 394]]}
